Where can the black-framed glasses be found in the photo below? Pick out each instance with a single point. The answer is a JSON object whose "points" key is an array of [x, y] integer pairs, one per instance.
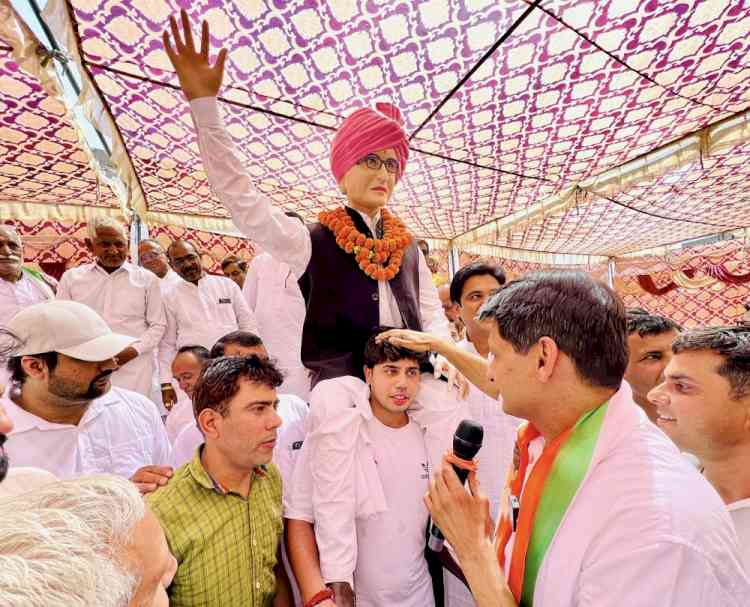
{"points": [[374, 162]]}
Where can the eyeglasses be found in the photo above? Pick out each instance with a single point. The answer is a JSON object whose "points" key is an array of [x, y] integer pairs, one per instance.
{"points": [[374, 162]]}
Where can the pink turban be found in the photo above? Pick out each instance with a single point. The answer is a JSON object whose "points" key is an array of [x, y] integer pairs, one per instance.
{"points": [[367, 131]]}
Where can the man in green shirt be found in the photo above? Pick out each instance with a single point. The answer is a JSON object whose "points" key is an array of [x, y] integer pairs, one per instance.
{"points": [[221, 512]]}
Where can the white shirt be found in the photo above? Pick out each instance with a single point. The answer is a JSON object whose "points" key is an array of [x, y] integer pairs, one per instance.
{"points": [[291, 410], [274, 296], [15, 296], [119, 433], [170, 280], [130, 301], [645, 528], [336, 480], [286, 238], [200, 315], [179, 416], [401, 578], [740, 513]]}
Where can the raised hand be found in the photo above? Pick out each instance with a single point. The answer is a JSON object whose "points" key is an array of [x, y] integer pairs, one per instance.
{"points": [[198, 78]]}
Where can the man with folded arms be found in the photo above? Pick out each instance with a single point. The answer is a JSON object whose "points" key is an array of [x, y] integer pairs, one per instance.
{"points": [[602, 509], [67, 418], [704, 407]]}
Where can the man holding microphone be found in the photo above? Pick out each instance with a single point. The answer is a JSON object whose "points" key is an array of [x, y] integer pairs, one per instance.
{"points": [[601, 509]]}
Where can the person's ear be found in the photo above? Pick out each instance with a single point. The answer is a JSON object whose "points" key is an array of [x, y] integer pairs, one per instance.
{"points": [[548, 355], [208, 422], [368, 375], [34, 367]]}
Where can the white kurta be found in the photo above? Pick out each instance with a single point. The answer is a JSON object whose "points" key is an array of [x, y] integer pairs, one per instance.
{"points": [[344, 449], [119, 433], [198, 315], [740, 513], [274, 296], [286, 238], [130, 301], [644, 529]]}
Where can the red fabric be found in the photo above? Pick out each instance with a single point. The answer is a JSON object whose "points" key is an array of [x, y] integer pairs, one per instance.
{"points": [[647, 283], [721, 273], [367, 131]]}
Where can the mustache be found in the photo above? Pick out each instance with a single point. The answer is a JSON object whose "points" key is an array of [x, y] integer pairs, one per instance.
{"points": [[102, 375]]}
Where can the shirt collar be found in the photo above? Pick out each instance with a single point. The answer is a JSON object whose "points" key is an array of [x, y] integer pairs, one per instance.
{"points": [[205, 480], [371, 222], [125, 267], [23, 421]]}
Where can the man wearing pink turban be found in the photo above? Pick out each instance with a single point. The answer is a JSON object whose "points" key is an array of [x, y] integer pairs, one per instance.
{"points": [[358, 267]]}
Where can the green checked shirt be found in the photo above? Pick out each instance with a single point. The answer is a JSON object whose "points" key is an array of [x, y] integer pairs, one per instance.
{"points": [[225, 544]]}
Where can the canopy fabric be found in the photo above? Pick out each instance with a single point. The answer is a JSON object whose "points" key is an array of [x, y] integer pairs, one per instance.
{"points": [[545, 129]]}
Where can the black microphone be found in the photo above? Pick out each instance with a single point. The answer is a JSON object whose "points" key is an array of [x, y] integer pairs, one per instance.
{"points": [[467, 441]]}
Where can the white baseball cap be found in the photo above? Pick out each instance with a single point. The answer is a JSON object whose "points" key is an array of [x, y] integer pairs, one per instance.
{"points": [[67, 327]]}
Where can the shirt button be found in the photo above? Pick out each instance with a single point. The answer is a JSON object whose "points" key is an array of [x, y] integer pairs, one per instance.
{"points": [[253, 542], [257, 585], [374, 296]]}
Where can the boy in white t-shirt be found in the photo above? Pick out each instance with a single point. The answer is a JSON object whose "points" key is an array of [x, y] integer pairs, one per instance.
{"points": [[704, 407], [361, 478]]}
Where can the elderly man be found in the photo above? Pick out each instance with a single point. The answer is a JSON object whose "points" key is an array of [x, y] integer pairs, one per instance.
{"points": [[650, 338], [19, 286], [127, 297], [703, 405], [89, 541], [222, 511], [152, 256], [67, 418], [199, 310], [602, 508], [359, 267]]}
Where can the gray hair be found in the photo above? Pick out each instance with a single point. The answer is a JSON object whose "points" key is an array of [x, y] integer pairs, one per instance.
{"points": [[99, 221], [65, 544]]}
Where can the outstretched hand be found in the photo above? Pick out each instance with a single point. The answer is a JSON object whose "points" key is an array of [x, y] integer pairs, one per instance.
{"points": [[198, 78]]}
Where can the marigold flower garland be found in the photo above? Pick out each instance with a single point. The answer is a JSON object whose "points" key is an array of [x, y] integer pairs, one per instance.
{"points": [[370, 253]]}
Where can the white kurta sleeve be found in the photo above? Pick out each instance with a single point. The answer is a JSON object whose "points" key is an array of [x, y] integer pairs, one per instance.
{"points": [[246, 320], [250, 289], [285, 238], [155, 319], [430, 308], [332, 446], [167, 346]]}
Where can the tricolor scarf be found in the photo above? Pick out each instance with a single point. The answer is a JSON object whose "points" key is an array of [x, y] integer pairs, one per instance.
{"points": [[535, 509]]}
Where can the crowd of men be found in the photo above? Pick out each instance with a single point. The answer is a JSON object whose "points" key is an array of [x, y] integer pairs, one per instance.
{"points": [[174, 437]]}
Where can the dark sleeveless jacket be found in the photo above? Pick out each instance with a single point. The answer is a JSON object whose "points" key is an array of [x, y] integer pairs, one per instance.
{"points": [[342, 304]]}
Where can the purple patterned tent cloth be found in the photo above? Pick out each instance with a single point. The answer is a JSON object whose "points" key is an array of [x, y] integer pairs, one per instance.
{"points": [[507, 104]]}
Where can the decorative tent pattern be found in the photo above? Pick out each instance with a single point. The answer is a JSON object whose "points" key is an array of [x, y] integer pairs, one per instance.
{"points": [[560, 132]]}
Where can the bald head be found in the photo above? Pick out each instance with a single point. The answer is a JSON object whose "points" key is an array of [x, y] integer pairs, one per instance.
{"points": [[11, 254]]}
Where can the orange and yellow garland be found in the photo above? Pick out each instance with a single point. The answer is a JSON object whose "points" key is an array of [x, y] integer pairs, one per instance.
{"points": [[370, 253]]}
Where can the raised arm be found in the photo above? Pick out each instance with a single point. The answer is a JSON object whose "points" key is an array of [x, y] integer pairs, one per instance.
{"points": [[253, 213]]}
